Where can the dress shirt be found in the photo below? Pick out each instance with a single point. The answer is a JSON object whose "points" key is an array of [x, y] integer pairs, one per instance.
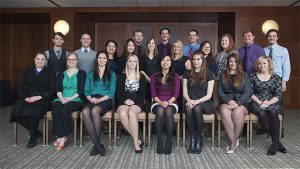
{"points": [[186, 48], [281, 60], [254, 52], [88, 49]]}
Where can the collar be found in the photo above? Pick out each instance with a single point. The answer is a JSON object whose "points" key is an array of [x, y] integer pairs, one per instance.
{"points": [[82, 49]]}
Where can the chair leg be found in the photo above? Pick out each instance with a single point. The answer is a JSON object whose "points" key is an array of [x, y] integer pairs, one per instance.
{"points": [[183, 133], [81, 132], [219, 133], [247, 134], [16, 133], [115, 133], [109, 133], [149, 133], [144, 130], [178, 133], [47, 132], [280, 128], [75, 132], [250, 135], [44, 131], [213, 135]]}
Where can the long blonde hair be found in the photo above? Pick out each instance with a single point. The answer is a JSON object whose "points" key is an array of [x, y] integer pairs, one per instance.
{"points": [[180, 45], [137, 68]]}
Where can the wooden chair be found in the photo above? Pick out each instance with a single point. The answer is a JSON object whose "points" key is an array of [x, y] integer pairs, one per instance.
{"points": [[141, 117], [15, 124], [48, 117], [206, 119], [151, 118], [107, 117], [254, 119], [247, 121]]}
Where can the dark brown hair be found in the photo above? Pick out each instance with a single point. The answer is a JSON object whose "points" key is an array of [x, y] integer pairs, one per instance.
{"points": [[239, 72], [196, 77]]}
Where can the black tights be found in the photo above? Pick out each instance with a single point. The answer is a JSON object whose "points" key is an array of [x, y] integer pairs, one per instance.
{"points": [[164, 119], [30, 123], [92, 122], [194, 120], [269, 121]]}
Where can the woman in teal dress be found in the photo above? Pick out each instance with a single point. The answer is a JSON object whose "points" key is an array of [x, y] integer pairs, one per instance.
{"points": [[69, 91], [99, 90]]}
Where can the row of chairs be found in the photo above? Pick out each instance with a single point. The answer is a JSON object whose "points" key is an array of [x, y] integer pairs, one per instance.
{"points": [[142, 117]]}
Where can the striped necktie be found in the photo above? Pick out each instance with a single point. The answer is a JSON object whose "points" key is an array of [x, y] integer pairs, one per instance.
{"points": [[245, 60], [271, 52], [191, 52]]}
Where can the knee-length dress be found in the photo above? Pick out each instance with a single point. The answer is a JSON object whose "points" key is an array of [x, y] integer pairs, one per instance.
{"points": [[265, 90]]}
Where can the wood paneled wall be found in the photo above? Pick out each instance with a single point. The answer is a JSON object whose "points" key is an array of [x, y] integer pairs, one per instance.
{"points": [[19, 43], [22, 43]]}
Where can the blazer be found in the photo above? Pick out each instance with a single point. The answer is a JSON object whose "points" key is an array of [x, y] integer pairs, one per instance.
{"points": [[227, 92]]}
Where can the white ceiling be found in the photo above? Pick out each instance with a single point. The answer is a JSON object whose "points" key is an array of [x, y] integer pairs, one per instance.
{"points": [[142, 3]]}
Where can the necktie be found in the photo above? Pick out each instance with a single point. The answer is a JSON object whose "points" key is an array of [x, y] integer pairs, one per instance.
{"points": [[245, 60], [191, 52], [165, 50], [58, 54], [271, 52], [85, 50]]}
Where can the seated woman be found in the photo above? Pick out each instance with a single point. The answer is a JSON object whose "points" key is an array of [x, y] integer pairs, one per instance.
{"points": [[35, 88], [234, 95], [99, 90], [266, 92], [165, 87], [198, 84], [69, 88], [131, 96]]}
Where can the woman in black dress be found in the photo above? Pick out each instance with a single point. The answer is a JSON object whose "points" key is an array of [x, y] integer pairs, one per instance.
{"points": [[128, 49], [234, 95], [111, 50], [131, 96], [206, 48], [35, 88], [198, 84], [266, 92]]}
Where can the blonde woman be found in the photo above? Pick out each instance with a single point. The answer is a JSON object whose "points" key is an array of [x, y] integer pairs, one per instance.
{"points": [[266, 92], [131, 95], [181, 63], [69, 88]]}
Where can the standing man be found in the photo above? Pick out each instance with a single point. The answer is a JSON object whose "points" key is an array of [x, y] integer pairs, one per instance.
{"points": [[57, 56], [250, 52], [138, 37], [280, 57], [164, 48], [189, 49], [86, 55]]}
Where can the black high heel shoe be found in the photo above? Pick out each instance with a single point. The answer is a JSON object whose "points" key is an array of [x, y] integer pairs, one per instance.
{"points": [[168, 147], [191, 148], [141, 146], [281, 148], [160, 146]]}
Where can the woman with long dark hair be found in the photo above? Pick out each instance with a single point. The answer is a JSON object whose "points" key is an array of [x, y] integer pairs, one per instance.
{"points": [[165, 87], [99, 90], [111, 47], [234, 95], [206, 48], [266, 93], [128, 49], [198, 84]]}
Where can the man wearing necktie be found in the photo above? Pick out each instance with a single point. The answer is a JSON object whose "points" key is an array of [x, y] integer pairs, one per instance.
{"points": [[138, 37], [189, 49], [86, 55], [250, 52], [57, 56], [164, 48], [280, 58]]}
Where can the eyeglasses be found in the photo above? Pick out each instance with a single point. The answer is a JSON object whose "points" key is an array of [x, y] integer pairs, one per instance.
{"points": [[71, 59]]}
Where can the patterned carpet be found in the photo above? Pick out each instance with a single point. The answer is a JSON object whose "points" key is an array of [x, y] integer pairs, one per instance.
{"points": [[123, 156]]}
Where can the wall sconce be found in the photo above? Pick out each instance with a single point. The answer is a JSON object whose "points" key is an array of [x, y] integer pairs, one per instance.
{"points": [[61, 26], [269, 24]]}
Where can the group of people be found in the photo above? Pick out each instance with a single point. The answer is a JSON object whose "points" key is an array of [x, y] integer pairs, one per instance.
{"points": [[161, 78]]}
